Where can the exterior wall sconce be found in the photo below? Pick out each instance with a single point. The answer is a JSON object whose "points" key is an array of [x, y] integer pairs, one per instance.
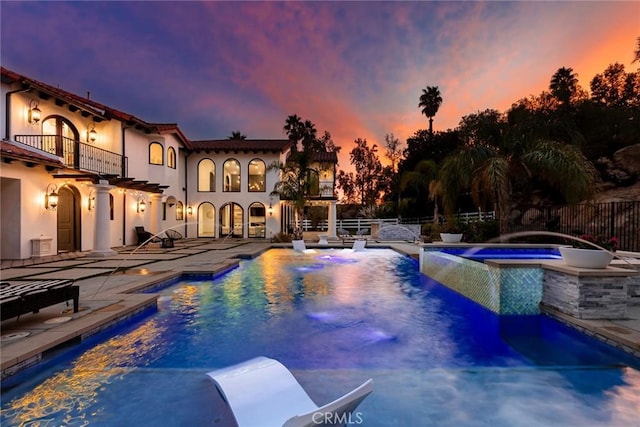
{"points": [[270, 209], [34, 112], [51, 198], [141, 206], [91, 201], [189, 210], [92, 135]]}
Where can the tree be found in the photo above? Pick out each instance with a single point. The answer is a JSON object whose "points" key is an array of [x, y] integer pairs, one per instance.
{"points": [[430, 102], [369, 180], [237, 135], [564, 86], [424, 179], [608, 88], [294, 185], [494, 158], [636, 54], [393, 152], [294, 128]]}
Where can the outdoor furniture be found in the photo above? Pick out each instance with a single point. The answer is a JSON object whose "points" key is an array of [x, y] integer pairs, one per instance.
{"points": [[262, 392], [145, 237], [299, 246], [171, 237], [30, 297], [359, 245], [362, 232]]}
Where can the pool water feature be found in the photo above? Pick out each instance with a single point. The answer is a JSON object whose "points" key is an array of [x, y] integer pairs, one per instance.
{"points": [[436, 357]]}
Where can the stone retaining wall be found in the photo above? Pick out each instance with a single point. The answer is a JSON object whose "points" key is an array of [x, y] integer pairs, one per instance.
{"points": [[586, 297]]}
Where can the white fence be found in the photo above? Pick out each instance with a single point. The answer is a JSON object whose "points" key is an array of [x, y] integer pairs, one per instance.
{"points": [[354, 224]]}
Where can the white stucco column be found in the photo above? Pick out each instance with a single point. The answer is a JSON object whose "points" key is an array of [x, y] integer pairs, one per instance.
{"points": [[333, 215], [102, 231], [156, 213]]}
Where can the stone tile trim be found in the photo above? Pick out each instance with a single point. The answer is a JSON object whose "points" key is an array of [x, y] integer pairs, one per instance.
{"points": [[590, 297]]}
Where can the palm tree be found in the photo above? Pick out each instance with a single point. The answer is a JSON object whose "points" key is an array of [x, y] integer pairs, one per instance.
{"points": [[294, 128], [237, 135], [489, 167], [425, 177], [564, 85], [430, 102], [294, 186]]}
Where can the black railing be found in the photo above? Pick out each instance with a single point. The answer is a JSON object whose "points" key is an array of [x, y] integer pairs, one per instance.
{"points": [[619, 219], [78, 155]]}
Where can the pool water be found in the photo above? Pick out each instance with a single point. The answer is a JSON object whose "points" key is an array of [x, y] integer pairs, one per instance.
{"points": [[335, 319], [483, 253]]}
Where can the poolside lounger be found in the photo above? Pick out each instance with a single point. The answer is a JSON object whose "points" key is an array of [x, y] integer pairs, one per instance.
{"points": [[298, 245], [262, 392], [29, 297], [359, 245], [145, 236]]}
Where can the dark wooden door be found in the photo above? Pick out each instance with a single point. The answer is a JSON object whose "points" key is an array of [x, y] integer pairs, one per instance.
{"points": [[67, 221]]}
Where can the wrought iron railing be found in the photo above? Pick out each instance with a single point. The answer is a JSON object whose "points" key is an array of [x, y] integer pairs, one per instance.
{"points": [[619, 219], [78, 155]]}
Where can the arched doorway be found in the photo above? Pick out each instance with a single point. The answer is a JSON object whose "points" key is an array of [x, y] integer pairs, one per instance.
{"points": [[206, 220], [68, 219], [257, 220], [60, 137], [231, 220]]}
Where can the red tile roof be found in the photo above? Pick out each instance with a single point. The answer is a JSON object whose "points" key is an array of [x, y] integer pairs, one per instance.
{"points": [[21, 152], [241, 145], [97, 110]]}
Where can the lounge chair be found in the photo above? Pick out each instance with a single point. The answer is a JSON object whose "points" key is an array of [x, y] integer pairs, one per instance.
{"points": [[262, 392], [172, 236], [359, 245], [299, 246], [21, 298], [362, 232], [145, 237]]}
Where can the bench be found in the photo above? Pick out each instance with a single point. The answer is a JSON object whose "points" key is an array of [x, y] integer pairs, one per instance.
{"points": [[29, 297]]}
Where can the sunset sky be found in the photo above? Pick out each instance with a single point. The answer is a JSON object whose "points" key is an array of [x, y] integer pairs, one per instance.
{"points": [[355, 69]]}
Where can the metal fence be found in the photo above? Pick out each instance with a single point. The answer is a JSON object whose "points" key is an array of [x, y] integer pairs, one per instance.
{"points": [[619, 219]]}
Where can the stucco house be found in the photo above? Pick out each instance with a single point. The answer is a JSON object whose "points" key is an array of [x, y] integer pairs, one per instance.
{"points": [[77, 175]]}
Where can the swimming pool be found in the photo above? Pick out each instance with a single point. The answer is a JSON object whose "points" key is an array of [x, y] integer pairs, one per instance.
{"points": [[334, 319]]}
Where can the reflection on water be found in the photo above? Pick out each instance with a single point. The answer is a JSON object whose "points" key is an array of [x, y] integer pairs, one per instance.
{"points": [[77, 388]]}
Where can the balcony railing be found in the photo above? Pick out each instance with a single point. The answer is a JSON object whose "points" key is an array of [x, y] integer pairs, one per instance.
{"points": [[78, 155]]}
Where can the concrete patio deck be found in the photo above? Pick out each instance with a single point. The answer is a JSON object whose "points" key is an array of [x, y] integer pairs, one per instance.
{"points": [[108, 286]]}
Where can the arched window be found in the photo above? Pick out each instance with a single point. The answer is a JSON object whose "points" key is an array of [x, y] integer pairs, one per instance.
{"points": [[171, 157], [231, 220], [206, 220], [206, 175], [257, 175], [257, 220], [179, 211], [232, 175], [156, 153]]}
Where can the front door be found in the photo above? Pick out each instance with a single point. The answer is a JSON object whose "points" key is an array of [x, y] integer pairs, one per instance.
{"points": [[68, 220]]}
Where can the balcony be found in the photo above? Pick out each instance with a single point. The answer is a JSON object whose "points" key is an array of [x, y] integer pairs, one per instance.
{"points": [[78, 155]]}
